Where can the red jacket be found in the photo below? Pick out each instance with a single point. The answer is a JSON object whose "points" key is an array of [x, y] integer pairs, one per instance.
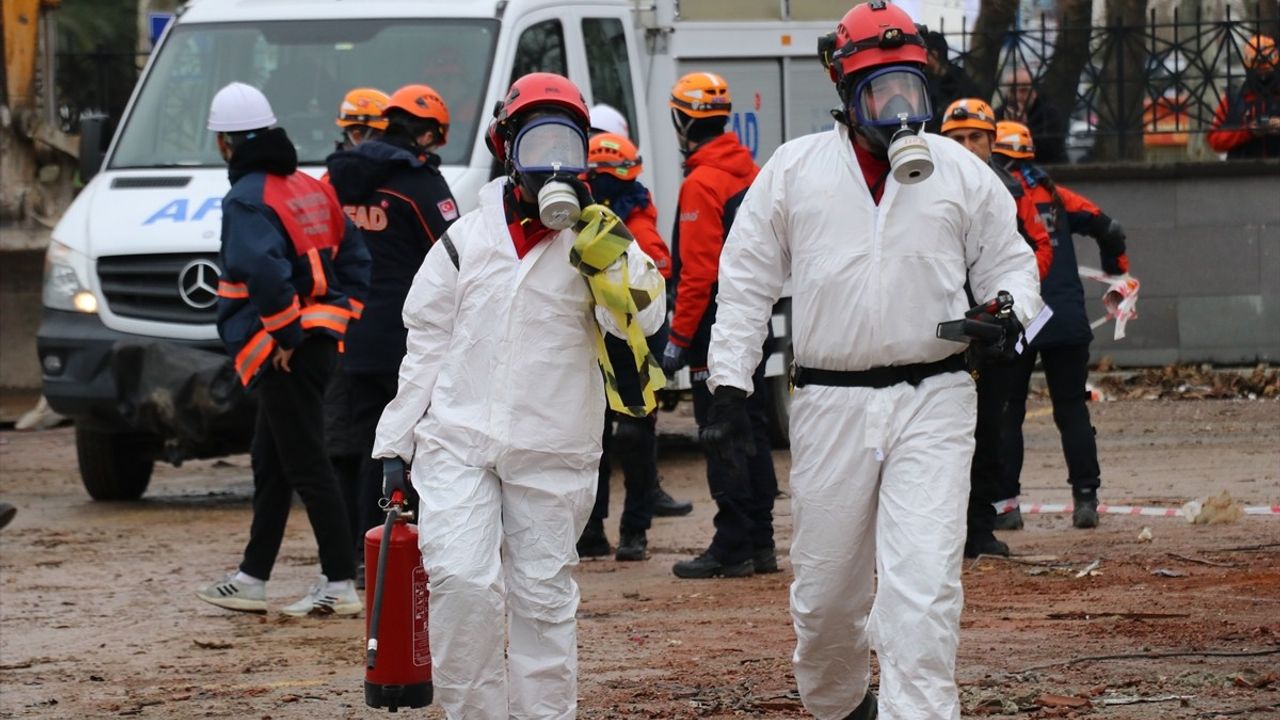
{"points": [[643, 224], [1238, 112], [717, 175], [1031, 227]]}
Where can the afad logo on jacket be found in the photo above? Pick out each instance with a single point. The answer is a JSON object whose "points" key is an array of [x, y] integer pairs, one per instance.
{"points": [[368, 217]]}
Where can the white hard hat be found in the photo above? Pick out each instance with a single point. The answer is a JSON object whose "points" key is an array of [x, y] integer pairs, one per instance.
{"points": [[606, 118], [238, 108]]}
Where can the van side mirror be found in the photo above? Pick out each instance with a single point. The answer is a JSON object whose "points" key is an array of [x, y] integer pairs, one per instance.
{"points": [[95, 135]]}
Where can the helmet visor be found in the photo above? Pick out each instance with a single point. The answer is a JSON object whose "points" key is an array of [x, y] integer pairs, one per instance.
{"points": [[892, 96], [550, 145]]}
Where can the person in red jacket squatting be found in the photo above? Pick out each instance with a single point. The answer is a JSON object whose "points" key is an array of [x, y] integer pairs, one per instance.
{"points": [[1063, 344], [501, 407], [614, 164], [718, 171], [972, 123], [293, 268], [878, 252]]}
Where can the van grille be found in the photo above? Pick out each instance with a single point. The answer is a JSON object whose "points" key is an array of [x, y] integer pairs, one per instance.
{"points": [[150, 287]]}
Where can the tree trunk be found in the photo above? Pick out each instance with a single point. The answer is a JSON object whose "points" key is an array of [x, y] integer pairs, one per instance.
{"points": [[993, 21], [1124, 81], [1266, 13], [1070, 55]]}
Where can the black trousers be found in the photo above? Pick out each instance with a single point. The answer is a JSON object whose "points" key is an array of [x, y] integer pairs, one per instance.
{"points": [[986, 474], [634, 443], [744, 491], [370, 394], [289, 455], [1066, 368]]}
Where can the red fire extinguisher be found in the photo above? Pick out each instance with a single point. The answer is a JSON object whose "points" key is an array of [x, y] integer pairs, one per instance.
{"points": [[398, 659]]}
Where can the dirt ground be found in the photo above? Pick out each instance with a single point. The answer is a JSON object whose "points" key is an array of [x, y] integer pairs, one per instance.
{"points": [[98, 619]]}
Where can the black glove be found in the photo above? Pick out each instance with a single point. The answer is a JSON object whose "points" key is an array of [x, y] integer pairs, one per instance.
{"points": [[1000, 348], [395, 476], [728, 429]]}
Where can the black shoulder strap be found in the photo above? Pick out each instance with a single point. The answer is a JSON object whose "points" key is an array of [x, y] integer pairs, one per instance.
{"points": [[449, 248]]}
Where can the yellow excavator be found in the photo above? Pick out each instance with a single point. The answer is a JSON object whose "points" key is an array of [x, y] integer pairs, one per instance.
{"points": [[37, 160]]}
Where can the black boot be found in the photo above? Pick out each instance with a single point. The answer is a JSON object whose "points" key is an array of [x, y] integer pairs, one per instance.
{"points": [[593, 542], [866, 709], [707, 566], [1011, 520], [632, 546], [1085, 514], [984, 544], [666, 506], [765, 561], [7, 512]]}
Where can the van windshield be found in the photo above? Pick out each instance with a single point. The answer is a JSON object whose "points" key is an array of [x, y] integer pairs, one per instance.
{"points": [[304, 68]]}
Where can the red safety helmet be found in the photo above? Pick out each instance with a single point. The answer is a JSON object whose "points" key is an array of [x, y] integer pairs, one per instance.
{"points": [[541, 89], [870, 35], [421, 101], [528, 93]]}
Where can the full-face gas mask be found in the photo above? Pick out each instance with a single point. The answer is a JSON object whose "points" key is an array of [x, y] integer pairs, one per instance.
{"points": [[548, 154], [889, 108]]}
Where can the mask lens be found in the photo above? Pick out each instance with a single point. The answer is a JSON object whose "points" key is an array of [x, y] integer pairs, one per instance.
{"points": [[885, 97], [550, 145]]}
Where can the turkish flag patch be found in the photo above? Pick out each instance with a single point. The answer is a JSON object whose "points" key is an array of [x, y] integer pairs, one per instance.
{"points": [[448, 209]]}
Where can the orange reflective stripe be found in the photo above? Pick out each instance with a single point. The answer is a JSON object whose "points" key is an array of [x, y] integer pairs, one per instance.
{"points": [[253, 355], [233, 290], [330, 317], [319, 283], [283, 318], [357, 308]]}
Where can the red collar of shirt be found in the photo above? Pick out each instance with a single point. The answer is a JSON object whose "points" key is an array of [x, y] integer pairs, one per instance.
{"points": [[525, 232], [874, 170]]}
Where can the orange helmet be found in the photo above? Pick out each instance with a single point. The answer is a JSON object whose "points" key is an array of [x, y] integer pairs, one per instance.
{"points": [[1260, 54], [870, 35], [701, 95], [615, 155], [421, 101], [1013, 139], [363, 106], [969, 113]]}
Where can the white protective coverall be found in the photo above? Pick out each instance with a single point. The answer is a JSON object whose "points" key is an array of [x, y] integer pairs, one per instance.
{"points": [[879, 477], [501, 410]]}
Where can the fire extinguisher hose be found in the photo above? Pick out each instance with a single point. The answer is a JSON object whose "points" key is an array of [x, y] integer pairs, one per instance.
{"points": [[393, 513]]}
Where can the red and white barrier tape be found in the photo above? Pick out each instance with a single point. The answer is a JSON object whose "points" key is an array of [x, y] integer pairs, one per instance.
{"points": [[1005, 506]]}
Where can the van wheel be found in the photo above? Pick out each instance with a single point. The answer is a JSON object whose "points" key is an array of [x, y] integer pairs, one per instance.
{"points": [[114, 466]]}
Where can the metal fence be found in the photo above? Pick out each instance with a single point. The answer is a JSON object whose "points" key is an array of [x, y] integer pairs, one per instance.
{"points": [[1133, 90]]}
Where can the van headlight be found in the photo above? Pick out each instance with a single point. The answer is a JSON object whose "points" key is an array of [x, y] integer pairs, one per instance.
{"points": [[66, 285]]}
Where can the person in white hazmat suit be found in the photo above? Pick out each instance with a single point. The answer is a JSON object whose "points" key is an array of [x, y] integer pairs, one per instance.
{"points": [[501, 404], [877, 226]]}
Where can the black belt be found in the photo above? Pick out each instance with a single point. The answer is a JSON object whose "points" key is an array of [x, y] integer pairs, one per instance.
{"points": [[880, 377]]}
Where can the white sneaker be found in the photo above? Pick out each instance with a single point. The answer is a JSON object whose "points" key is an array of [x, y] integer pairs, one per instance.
{"points": [[325, 600], [232, 594]]}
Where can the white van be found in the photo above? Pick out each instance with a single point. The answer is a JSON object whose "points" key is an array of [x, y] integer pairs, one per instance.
{"points": [[135, 257]]}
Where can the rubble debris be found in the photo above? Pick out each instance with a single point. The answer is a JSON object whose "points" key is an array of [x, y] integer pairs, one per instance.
{"points": [[1192, 382], [1213, 510], [1166, 572], [1145, 535], [1051, 700]]}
